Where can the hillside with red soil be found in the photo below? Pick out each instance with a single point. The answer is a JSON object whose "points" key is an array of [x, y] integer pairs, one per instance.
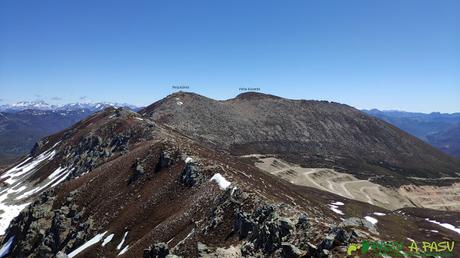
{"points": [[143, 185]]}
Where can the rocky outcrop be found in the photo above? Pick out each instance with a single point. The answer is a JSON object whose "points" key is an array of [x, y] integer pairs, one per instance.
{"points": [[138, 171], [158, 250], [41, 231], [166, 160], [350, 230], [38, 147], [113, 137], [191, 174], [263, 230], [290, 251], [359, 223]]}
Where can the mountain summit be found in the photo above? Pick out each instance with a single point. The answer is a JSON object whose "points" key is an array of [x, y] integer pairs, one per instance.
{"points": [[308, 132]]}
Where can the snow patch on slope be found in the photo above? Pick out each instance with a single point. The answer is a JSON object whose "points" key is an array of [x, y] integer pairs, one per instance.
{"points": [[221, 181], [107, 239], [25, 167], [91, 242], [124, 250], [5, 250], [445, 225], [371, 219], [18, 187], [59, 175], [335, 207], [10, 211], [120, 245]]}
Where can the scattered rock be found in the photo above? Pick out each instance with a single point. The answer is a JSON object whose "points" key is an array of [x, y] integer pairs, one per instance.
{"points": [[158, 250], [303, 221], [61, 255], [290, 251], [138, 171], [336, 237], [359, 223]]}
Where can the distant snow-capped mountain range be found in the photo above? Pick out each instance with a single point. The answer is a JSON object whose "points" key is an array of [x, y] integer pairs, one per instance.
{"points": [[23, 123], [42, 105]]}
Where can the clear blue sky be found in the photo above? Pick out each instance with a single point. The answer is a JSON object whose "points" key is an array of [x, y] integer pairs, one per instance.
{"points": [[392, 54]]}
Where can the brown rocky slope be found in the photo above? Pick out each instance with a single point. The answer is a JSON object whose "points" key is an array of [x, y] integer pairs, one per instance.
{"points": [[310, 133], [139, 186]]}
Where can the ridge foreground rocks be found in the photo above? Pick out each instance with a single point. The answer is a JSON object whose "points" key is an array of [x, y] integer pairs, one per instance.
{"points": [[135, 185]]}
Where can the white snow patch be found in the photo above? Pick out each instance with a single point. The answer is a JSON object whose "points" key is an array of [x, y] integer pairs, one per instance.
{"points": [[335, 209], [122, 241], [445, 225], [221, 181], [140, 119], [434, 231], [62, 175], [371, 219], [179, 103], [10, 196], [62, 178], [20, 164], [10, 211], [91, 242], [186, 237], [379, 214], [5, 250], [124, 250], [20, 170], [28, 165], [188, 160], [56, 172], [107, 239]]}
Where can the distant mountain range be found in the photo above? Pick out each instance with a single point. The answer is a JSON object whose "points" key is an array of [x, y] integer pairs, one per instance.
{"points": [[438, 129], [44, 106], [23, 123]]}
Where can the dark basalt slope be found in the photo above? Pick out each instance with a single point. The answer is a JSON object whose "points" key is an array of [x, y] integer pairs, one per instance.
{"points": [[311, 133]]}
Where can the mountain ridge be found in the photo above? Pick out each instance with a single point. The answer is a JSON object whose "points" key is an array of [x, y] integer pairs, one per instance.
{"points": [[141, 184], [246, 126]]}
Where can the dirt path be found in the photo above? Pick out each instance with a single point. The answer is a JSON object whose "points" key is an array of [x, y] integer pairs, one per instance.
{"points": [[346, 185]]}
